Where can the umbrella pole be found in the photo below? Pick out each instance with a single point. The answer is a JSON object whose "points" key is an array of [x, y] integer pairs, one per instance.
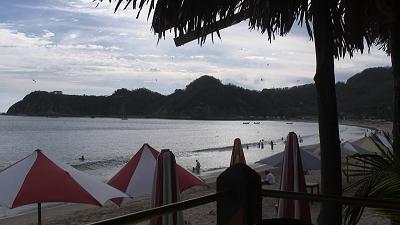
{"points": [[39, 213]]}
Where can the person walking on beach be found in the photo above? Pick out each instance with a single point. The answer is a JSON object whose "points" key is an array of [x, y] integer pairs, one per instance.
{"points": [[197, 166], [272, 145]]}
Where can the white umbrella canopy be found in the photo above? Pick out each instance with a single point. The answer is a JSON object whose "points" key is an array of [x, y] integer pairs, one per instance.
{"points": [[310, 161], [346, 148], [40, 178]]}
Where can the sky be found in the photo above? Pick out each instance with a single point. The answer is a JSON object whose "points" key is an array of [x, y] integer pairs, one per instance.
{"points": [[74, 47]]}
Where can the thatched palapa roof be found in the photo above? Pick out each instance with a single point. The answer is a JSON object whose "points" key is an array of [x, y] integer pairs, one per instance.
{"points": [[194, 19]]}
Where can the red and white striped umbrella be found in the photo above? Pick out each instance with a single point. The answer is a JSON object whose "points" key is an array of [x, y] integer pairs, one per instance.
{"points": [[40, 178], [293, 180], [136, 177], [166, 188]]}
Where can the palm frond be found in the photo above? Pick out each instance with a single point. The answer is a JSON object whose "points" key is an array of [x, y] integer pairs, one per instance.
{"points": [[381, 180], [193, 19]]}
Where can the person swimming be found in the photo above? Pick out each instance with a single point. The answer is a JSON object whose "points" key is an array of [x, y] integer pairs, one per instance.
{"points": [[82, 158]]}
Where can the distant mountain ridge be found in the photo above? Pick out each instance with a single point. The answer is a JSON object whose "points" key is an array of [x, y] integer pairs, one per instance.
{"points": [[365, 95]]}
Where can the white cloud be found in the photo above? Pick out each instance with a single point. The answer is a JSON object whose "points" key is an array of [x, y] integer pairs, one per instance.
{"points": [[105, 51], [197, 57], [47, 34], [73, 36]]}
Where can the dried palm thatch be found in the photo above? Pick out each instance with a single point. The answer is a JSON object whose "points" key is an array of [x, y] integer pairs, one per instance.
{"points": [[366, 22], [193, 19]]}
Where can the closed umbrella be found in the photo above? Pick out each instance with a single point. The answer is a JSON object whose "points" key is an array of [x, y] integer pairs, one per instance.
{"points": [[292, 179], [135, 178], [40, 178], [166, 188], [237, 153]]}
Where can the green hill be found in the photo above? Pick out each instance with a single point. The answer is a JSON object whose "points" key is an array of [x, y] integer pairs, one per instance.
{"points": [[365, 95]]}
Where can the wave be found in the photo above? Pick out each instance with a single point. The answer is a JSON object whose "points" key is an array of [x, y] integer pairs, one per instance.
{"points": [[106, 163], [229, 148]]}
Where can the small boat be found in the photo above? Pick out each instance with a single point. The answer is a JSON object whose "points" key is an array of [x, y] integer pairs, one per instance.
{"points": [[289, 123], [246, 122], [256, 122]]}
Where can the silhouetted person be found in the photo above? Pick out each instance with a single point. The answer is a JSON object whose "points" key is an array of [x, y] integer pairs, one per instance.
{"points": [[272, 145], [82, 158], [197, 166]]}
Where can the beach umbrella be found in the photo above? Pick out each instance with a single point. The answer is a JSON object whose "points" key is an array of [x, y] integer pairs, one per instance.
{"points": [[136, 177], [166, 188], [310, 161], [40, 178], [380, 138], [368, 144], [237, 153], [293, 180], [346, 148]]}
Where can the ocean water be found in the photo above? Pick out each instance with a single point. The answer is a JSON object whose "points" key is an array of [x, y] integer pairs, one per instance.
{"points": [[108, 143]]}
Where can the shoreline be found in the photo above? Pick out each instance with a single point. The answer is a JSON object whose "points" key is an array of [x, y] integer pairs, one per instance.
{"points": [[62, 213], [374, 124]]}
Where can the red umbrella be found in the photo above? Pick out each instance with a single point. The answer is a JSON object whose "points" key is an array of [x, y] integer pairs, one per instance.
{"points": [[136, 177], [292, 179], [166, 188], [237, 153], [40, 178]]}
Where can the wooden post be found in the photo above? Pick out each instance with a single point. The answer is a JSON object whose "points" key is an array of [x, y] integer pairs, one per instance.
{"points": [[243, 204], [39, 212]]}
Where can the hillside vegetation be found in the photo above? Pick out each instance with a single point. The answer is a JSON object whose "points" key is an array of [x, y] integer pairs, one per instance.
{"points": [[365, 95]]}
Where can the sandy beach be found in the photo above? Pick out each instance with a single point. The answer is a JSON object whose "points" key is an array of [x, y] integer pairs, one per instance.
{"points": [[69, 214]]}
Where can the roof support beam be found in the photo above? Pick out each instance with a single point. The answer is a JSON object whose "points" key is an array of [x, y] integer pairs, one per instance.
{"points": [[214, 27]]}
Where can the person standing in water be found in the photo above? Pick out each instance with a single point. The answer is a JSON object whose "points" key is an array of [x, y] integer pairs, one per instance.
{"points": [[197, 166], [272, 145]]}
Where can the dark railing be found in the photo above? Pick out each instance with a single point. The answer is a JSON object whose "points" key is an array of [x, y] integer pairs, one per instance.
{"points": [[367, 202], [239, 190], [158, 211]]}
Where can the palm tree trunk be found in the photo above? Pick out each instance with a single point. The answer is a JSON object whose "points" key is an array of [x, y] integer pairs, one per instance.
{"points": [[331, 179], [395, 52]]}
